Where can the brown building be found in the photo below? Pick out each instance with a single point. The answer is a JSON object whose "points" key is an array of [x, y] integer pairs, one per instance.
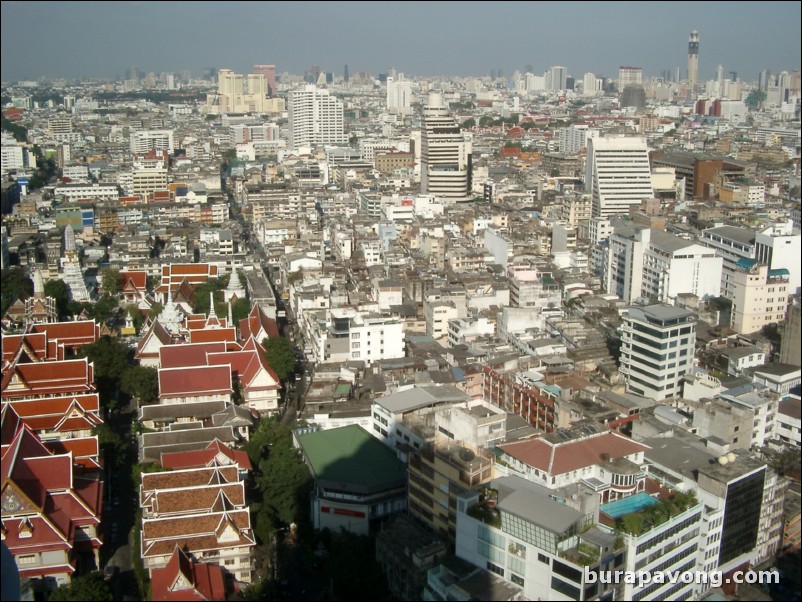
{"points": [[388, 162], [700, 173]]}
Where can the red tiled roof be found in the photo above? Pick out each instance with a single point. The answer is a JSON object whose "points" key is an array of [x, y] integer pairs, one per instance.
{"points": [[138, 278], [562, 457], [34, 344], [70, 334], [49, 378], [192, 354], [205, 457], [183, 579], [213, 334], [193, 382]]}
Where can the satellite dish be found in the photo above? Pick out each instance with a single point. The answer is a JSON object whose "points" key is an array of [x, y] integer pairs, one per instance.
{"points": [[723, 460], [731, 457]]}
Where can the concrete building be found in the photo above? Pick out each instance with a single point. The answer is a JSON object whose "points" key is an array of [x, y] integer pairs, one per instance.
{"points": [[657, 349], [315, 117], [643, 262], [358, 481], [399, 95], [743, 498], [146, 140], [618, 174], [521, 532], [759, 296], [445, 153]]}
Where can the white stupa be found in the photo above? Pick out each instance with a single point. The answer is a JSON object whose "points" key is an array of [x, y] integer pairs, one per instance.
{"points": [[234, 288]]}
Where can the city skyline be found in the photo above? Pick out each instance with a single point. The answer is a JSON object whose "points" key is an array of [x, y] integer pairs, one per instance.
{"points": [[82, 39]]}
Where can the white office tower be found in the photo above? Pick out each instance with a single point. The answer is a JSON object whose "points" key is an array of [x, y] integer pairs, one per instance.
{"points": [[445, 154], [591, 85], [144, 141], [573, 138], [399, 95], [657, 349], [315, 117], [618, 174], [557, 78]]}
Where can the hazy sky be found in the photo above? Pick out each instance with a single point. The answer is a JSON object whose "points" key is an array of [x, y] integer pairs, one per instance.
{"points": [[103, 39]]}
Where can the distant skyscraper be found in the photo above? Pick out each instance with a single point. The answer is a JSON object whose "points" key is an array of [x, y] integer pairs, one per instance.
{"points": [[445, 153], [557, 78], [345, 74], [399, 95], [629, 75], [269, 71], [693, 60], [315, 117], [765, 80], [618, 174]]}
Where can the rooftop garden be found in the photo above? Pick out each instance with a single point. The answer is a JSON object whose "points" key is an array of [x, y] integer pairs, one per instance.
{"points": [[637, 523], [485, 510]]}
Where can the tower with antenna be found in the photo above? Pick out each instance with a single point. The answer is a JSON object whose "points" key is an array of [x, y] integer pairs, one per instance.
{"points": [[693, 61]]}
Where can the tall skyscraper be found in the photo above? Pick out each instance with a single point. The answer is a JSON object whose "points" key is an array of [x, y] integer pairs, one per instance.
{"points": [[445, 153], [693, 60], [618, 174], [269, 71], [399, 95], [315, 117], [629, 75], [556, 79], [345, 74]]}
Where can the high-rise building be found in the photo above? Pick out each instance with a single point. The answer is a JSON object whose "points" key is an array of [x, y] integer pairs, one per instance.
{"points": [[629, 75], [315, 117], [269, 71], [556, 78], [233, 97], [399, 95], [346, 77], [657, 349], [693, 60], [445, 153], [618, 174]]}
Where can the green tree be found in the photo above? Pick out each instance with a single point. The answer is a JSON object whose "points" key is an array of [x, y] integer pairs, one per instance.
{"points": [[61, 293], [90, 587], [111, 358], [113, 446], [104, 309], [155, 310], [469, 123], [19, 133], [240, 310], [136, 316], [141, 382], [282, 479], [13, 283], [214, 286], [280, 355], [111, 282]]}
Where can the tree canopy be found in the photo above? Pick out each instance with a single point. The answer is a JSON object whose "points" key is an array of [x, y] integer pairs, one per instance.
{"points": [[111, 358], [13, 283], [141, 382], [111, 282], [61, 293], [90, 587], [282, 478], [280, 355]]}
